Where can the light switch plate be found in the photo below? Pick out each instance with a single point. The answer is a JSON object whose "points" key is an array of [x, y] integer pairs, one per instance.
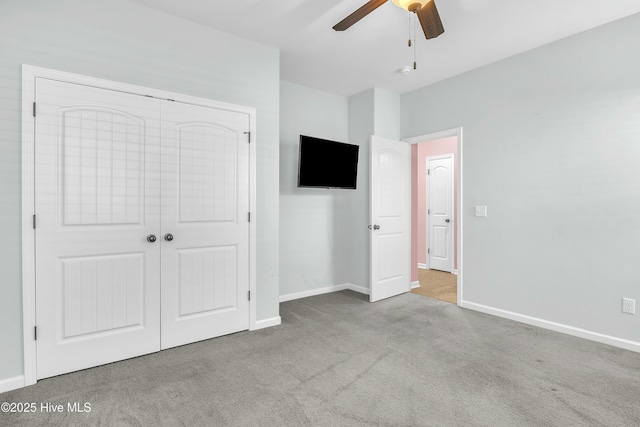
{"points": [[481, 210]]}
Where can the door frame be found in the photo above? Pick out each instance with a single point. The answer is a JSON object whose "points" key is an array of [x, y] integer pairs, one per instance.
{"points": [[457, 132], [29, 75], [428, 200]]}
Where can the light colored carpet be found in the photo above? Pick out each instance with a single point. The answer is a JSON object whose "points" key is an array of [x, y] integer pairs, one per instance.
{"points": [[338, 360], [437, 284]]}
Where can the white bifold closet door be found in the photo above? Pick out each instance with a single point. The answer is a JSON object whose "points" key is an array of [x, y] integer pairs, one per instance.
{"points": [[205, 207], [113, 171]]}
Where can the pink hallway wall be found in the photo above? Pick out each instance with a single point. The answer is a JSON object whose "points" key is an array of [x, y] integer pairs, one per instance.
{"points": [[419, 154]]}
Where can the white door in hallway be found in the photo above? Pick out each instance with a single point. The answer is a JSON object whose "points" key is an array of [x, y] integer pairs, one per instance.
{"points": [[97, 199], [205, 224], [440, 215], [390, 218]]}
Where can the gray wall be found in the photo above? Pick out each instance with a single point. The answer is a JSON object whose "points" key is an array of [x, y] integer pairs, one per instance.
{"points": [[313, 222], [552, 147], [386, 112], [125, 42], [361, 127]]}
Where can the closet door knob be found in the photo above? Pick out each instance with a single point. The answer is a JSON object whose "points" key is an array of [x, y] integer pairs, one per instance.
{"points": [[151, 238], [168, 237]]}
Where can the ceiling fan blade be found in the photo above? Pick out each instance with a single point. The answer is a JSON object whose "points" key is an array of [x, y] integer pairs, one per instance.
{"points": [[364, 10], [430, 20]]}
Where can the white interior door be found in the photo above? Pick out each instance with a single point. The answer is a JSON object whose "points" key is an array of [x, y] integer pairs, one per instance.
{"points": [[96, 201], [390, 215], [142, 228], [205, 207], [440, 213]]}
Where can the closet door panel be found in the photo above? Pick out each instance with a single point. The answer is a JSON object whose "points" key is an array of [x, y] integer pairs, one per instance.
{"points": [[205, 205], [97, 198]]}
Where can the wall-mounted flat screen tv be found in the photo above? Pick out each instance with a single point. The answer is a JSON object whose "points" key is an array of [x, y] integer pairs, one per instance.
{"points": [[327, 164]]}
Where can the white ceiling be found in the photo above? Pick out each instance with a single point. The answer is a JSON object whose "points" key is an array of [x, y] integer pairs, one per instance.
{"points": [[370, 53]]}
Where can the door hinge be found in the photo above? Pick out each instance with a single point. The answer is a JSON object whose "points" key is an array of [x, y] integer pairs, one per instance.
{"points": [[35, 333], [34, 221], [249, 295], [34, 109], [428, 171], [249, 216], [249, 139], [428, 211], [428, 251]]}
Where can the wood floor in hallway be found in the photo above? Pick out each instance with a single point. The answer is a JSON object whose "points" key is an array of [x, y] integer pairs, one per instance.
{"points": [[437, 284]]}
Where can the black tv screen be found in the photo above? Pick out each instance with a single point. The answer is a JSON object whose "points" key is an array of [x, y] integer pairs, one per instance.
{"points": [[327, 164]]}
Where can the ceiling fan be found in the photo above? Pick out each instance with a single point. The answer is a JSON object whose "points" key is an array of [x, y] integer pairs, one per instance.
{"points": [[424, 9]]}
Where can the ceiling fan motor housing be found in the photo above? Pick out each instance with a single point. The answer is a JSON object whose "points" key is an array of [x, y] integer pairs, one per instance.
{"points": [[411, 5], [425, 10]]}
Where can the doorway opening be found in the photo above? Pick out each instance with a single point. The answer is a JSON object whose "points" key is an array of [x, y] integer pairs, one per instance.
{"points": [[436, 225], [440, 285]]}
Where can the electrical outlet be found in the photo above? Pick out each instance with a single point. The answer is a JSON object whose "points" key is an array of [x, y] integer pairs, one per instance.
{"points": [[628, 305]]}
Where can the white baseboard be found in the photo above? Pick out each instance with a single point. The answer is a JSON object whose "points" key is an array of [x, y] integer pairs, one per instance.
{"points": [[312, 292], [11, 383], [267, 323], [325, 290], [557, 327], [424, 267], [415, 284], [357, 288]]}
